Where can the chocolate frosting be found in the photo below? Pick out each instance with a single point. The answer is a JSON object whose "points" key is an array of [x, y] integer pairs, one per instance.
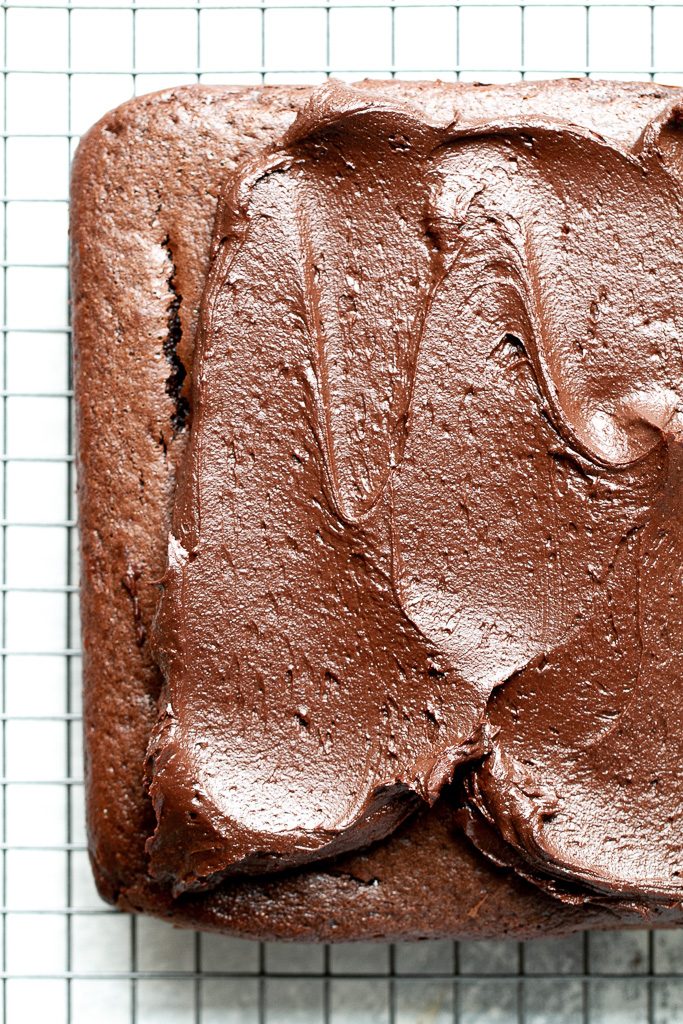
{"points": [[435, 449]]}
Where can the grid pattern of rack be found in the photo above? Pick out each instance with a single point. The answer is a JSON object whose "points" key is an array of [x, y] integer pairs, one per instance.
{"points": [[65, 956]]}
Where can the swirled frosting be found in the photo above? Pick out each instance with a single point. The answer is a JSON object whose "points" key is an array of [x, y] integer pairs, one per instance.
{"points": [[429, 515]]}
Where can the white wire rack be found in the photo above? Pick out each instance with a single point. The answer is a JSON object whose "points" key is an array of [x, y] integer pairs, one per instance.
{"points": [[65, 956]]}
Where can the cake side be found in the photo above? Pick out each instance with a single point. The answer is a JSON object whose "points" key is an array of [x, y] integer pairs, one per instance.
{"points": [[145, 187]]}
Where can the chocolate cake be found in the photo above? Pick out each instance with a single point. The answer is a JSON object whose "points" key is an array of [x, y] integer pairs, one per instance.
{"points": [[378, 443]]}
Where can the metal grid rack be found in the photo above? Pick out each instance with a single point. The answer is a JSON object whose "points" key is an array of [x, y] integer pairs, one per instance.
{"points": [[65, 956]]}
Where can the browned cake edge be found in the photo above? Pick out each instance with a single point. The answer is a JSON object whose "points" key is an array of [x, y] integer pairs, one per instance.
{"points": [[145, 184]]}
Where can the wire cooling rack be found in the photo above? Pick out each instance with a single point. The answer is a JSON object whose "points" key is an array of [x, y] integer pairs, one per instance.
{"points": [[65, 956]]}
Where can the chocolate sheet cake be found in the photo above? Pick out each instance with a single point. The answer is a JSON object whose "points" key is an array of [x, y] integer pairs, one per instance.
{"points": [[379, 434]]}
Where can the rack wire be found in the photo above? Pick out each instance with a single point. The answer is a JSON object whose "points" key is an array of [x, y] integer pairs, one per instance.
{"points": [[67, 958]]}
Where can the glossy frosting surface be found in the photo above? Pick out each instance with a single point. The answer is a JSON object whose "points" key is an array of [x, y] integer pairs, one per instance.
{"points": [[430, 510]]}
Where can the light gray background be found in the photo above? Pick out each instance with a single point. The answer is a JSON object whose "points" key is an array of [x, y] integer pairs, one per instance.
{"points": [[65, 956]]}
